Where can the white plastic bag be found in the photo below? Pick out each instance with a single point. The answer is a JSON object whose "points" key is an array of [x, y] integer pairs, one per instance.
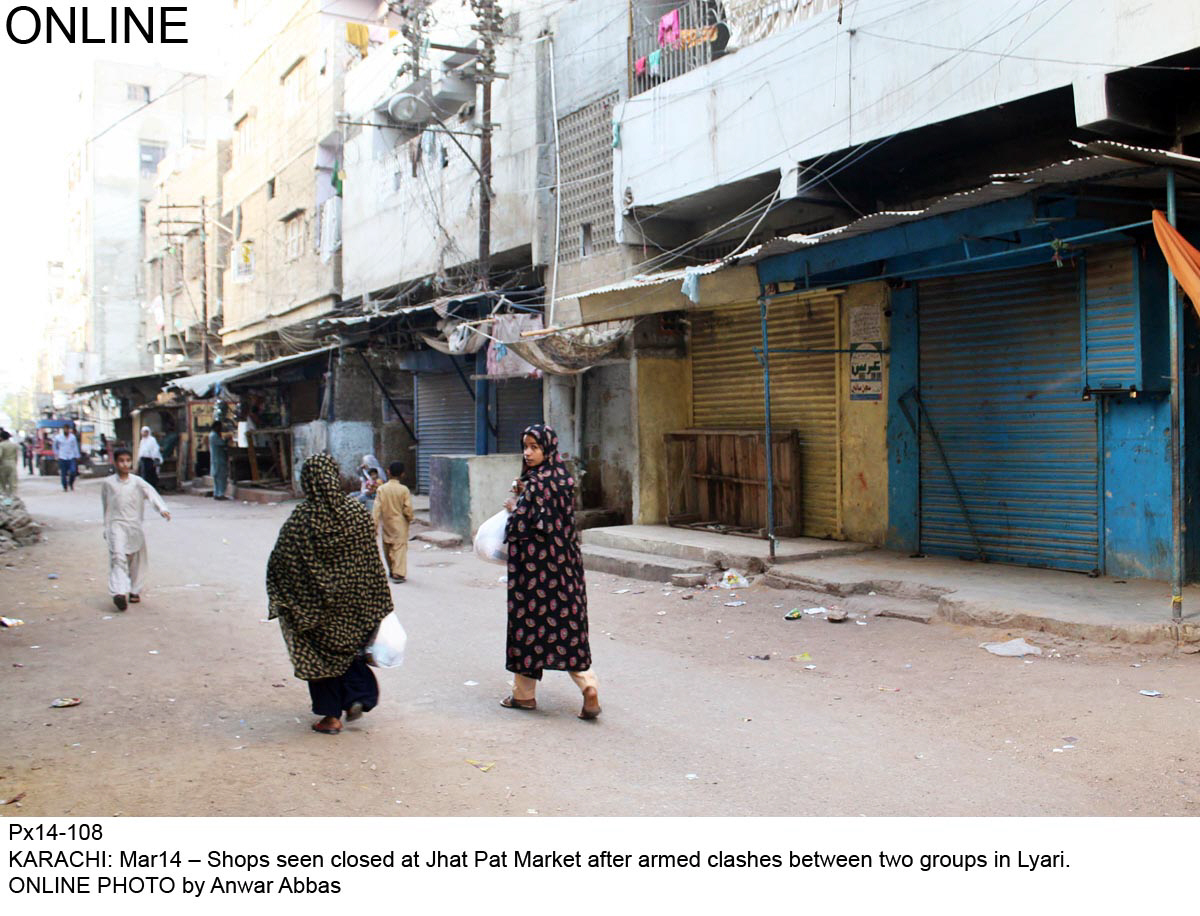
{"points": [[733, 579], [489, 539], [387, 649]]}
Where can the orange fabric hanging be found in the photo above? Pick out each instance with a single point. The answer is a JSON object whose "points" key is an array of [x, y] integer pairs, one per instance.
{"points": [[1182, 258]]}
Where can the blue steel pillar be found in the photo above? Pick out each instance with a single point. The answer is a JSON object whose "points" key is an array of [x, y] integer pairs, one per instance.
{"points": [[481, 402], [1176, 334]]}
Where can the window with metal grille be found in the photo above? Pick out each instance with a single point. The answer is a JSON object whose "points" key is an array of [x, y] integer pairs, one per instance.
{"points": [[585, 185], [295, 236]]}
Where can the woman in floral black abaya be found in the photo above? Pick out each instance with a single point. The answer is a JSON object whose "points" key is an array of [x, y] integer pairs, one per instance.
{"points": [[547, 598]]}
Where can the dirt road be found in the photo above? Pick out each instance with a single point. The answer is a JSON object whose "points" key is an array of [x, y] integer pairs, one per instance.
{"points": [[189, 706]]}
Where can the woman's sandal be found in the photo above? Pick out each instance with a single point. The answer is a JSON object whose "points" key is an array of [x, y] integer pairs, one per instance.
{"points": [[334, 728], [511, 702], [591, 704]]}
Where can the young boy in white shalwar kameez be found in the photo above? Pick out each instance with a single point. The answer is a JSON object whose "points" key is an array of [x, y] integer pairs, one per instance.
{"points": [[124, 498]]}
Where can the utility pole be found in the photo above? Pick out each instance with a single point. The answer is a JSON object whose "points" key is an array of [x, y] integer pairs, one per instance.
{"points": [[490, 20], [204, 283]]}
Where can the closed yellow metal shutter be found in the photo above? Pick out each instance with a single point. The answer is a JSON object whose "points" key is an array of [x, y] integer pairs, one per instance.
{"points": [[727, 388]]}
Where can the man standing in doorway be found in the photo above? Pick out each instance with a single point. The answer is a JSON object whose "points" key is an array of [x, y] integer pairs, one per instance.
{"points": [[149, 457], [10, 456], [66, 451], [124, 496]]}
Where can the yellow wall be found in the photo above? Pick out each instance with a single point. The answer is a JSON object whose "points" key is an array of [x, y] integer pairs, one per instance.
{"points": [[663, 389], [863, 431]]}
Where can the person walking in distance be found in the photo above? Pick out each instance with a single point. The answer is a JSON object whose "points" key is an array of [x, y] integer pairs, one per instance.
{"points": [[547, 597], [393, 513], [123, 496], [66, 451], [218, 457], [10, 457], [149, 457], [329, 593]]}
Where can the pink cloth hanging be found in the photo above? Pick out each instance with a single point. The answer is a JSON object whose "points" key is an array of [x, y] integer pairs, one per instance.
{"points": [[669, 30], [639, 66]]}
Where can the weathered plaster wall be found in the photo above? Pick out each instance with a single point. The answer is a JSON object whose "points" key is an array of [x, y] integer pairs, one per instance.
{"points": [[863, 429], [466, 490], [609, 452], [664, 404]]}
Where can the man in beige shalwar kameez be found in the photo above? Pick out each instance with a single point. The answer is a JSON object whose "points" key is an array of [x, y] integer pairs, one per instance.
{"points": [[393, 513]]}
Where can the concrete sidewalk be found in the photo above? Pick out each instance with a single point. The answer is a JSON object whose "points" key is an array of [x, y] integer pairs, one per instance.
{"points": [[1068, 604]]}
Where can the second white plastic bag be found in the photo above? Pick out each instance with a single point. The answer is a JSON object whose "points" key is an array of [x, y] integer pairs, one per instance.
{"points": [[489, 539]]}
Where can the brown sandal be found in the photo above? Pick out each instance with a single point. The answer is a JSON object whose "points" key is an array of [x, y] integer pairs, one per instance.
{"points": [[331, 729], [511, 702], [591, 704]]}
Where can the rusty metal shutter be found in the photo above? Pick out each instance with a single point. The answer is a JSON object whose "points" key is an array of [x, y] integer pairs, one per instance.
{"points": [[445, 421], [1001, 381], [727, 388]]}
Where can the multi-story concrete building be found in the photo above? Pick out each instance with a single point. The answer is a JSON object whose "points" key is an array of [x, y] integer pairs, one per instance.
{"points": [[282, 191], [187, 253], [131, 118]]}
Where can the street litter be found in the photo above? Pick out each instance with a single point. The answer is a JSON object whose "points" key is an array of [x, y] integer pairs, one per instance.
{"points": [[621, 591], [691, 776], [661, 613], [731, 578], [106, 617], [889, 689], [52, 576], [63, 702], [686, 597], [11, 622], [810, 667], [1150, 693], [816, 610], [12, 801], [794, 614], [470, 683], [1014, 648], [735, 603], [152, 652], [760, 658], [802, 657], [18, 665], [482, 767], [837, 616], [427, 547], [861, 623]]}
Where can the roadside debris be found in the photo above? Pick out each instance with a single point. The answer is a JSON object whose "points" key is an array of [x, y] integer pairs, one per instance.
{"points": [[1014, 648], [687, 597], [802, 657], [470, 683], [735, 603], [794, 614], [7, 622], [731, 578], [836, 615], [816, 610], [482, 767], [63, 702], [760, 658], [1150, 693], [15, 800], [52, 576]]}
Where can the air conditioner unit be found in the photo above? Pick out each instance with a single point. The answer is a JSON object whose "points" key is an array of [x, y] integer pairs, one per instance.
{"points": [[454, 90]]}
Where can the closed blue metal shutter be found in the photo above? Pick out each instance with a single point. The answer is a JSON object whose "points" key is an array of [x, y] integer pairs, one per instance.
{"points": [[1113, 321], [445, 421], [519, 406], [1001, 381]]}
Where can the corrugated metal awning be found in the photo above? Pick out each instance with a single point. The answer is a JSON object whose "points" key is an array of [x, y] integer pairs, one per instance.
{"points": [[128, 380], [201, 386]]}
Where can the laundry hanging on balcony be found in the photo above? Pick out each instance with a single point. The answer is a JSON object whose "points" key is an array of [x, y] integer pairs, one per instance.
{"points": [[669, 30]]}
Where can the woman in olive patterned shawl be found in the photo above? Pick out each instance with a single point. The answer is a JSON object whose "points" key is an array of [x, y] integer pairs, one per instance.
{"points": [[547, 598], [327, 587]]}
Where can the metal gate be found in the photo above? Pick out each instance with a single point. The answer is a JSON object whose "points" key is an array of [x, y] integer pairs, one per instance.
{"points": [[518, 406], [727, 389], [1009, 458], [445, 421]]}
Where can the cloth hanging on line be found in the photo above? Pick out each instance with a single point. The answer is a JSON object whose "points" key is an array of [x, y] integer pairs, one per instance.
{"points": [[639, 66], [690, 38], [1182, 258], [502, 360], [654, 62], [668, 30]]}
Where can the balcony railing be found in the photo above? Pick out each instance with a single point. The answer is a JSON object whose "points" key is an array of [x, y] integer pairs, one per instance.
{"points": [[664, 47]]}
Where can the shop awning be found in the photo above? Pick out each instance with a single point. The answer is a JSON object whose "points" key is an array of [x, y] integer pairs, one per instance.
{"points": [[128, 380], [708, 285], [202, 386]]}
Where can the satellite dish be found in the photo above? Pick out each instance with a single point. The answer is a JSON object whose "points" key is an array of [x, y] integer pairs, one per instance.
{"points": [[408, 108]]}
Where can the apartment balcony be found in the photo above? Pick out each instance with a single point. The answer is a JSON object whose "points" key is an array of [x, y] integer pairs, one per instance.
{"points": [[683, 39]]}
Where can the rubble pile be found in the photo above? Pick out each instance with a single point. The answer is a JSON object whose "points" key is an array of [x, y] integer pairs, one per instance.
{"points": [[17, 528]]}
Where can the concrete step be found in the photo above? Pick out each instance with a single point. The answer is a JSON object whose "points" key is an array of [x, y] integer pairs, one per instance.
{"points": [[597, 518], [256, 495], [635, 565], [615, 539], [917, 610], [443, 539]]}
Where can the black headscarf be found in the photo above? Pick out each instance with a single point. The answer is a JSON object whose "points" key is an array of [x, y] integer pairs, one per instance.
{"points": [[325, 580], [547, 438]]}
